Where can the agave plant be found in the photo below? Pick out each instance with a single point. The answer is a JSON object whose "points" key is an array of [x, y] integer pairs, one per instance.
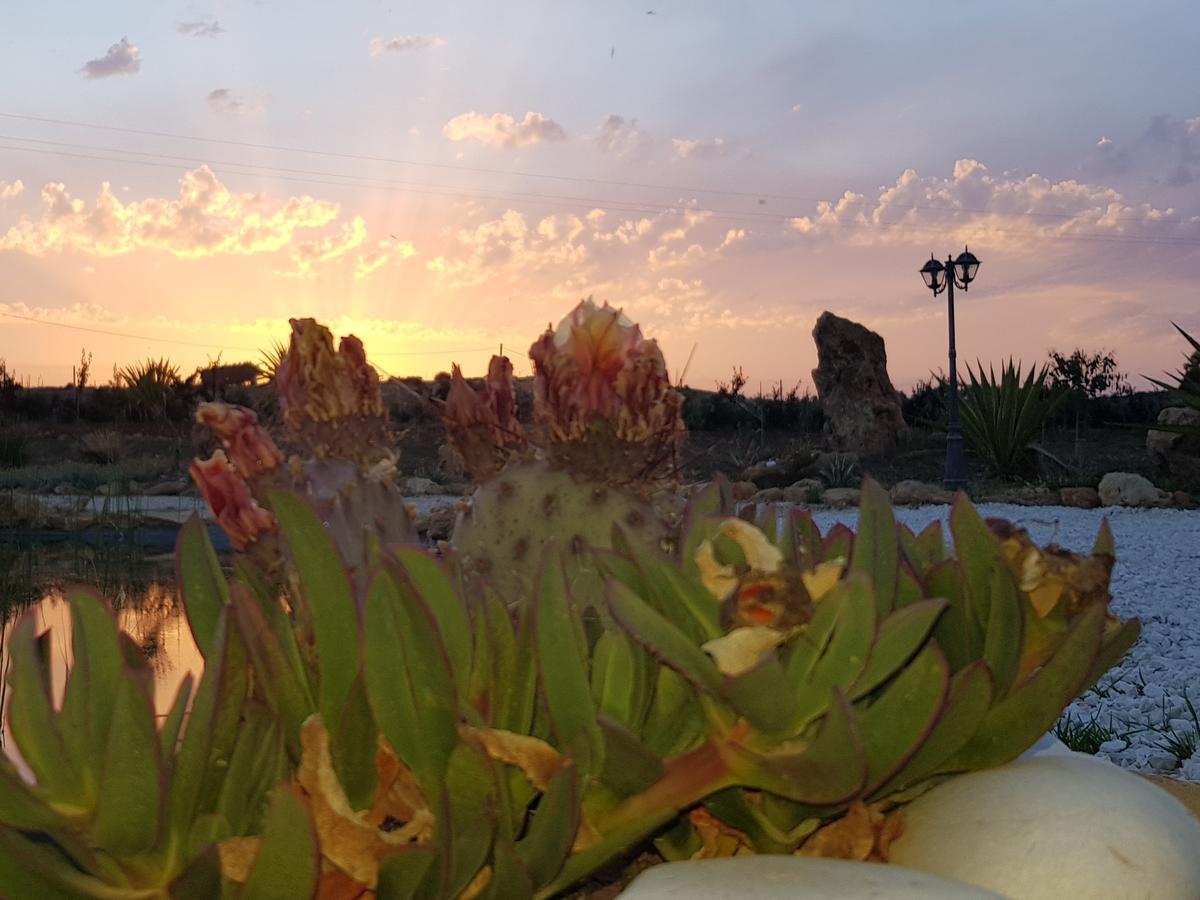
{"points": [[1186, 389], [376, 719], [149, 386], [1001, 417]]}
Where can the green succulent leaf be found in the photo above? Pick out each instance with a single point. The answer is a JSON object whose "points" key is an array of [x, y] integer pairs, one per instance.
{"points": [[408, 680], [355, 741], [288, 860], [200, 878], [662, 639], [36, 870], [554, 825], [202, 584], [1028, 712], [954, 631], [620, 675], [967, 703], [325, 587], [405, 874], [838, 543], [438, 592], [674, 722], [714, 500], [629, 767], [733, 808], [895, 725], [764, 696], [168, 735], [257, 764], [20, 806], [469, 825], [1115, 646], [561, 665], [129, 805], [901, 635], [977, 551], [1002, 641], [876, 548]]}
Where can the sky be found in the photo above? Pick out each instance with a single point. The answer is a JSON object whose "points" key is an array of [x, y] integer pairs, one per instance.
{"points": [[443, 179]]}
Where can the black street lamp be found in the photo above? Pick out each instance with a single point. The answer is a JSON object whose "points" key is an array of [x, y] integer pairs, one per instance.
{"points": [[944, 277]]}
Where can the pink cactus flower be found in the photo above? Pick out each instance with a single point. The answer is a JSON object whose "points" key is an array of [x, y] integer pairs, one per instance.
{"points": [[483, 424], [249, 447], [228, 496]]}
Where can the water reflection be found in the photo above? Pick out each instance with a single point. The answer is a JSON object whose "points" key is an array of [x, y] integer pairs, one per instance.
{"points": [[37, 577]]}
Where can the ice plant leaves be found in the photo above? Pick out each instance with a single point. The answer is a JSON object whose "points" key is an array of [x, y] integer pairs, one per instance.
{"points": [[202, 584]]}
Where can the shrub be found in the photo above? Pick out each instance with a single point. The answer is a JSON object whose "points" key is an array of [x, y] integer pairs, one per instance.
{"points": [[1000, 418], [925, 404], [152, 389], [14, 447], [103, 446]]}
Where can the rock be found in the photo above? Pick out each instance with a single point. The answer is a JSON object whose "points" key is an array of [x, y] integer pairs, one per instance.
{"points": [[767, 495], [743, 490], [1079, 497], [1161, 443], [804, 491], [438, 523], [769, 474], [1052, 826], [919, 493], [793, 878], [1024, 496], [166, 489], [840, 498], [421, 487], [65, 489], [450, 461], [1183, 500], [862, 409], [1129, 489], [112, 489]]}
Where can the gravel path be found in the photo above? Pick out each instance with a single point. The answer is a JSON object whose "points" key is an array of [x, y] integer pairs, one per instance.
{"points": [[1143, 700]]}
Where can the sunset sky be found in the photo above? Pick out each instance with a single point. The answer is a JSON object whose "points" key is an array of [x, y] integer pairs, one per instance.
{"points": [[441, 179]]}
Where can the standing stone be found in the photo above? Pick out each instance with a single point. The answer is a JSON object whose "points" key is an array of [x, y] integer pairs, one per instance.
{"points": [[862, 409]]}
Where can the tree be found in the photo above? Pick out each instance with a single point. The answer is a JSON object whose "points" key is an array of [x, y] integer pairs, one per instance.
{"points": [[1083, 377]]}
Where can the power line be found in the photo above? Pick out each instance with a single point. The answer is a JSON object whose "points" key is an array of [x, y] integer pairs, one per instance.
{"points": [[154, 340], [695, 189]]}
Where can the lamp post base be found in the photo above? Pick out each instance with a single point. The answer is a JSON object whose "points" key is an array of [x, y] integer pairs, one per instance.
{"points": [[955, 475]]}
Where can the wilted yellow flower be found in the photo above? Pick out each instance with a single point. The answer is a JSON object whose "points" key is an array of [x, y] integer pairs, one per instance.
{"points": [[316, 383], [743, 648], [228, 496]]}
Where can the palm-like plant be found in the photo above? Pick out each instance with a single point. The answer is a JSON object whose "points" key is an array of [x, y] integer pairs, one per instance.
{"points": [[1186, 390], [1001, 417], [149, 386]]}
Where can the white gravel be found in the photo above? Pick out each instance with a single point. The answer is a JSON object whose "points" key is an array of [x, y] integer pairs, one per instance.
{"points": [[1157, 579]]}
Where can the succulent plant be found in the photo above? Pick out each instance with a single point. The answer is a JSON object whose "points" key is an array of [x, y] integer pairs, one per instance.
{"points": [[376, 719]]}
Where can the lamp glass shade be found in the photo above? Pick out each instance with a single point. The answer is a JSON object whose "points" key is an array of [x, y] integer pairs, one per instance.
{"points": [[934, 274], [966, 266]]}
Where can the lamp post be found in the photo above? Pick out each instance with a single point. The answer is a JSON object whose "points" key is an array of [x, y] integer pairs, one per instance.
{"points": [[944, 277]]}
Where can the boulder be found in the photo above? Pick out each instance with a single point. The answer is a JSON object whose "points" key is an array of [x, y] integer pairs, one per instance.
{"points": [[438, 523], [862, 409], [421, 487], [793, 878], [767, 495], [165, 489], [1161, 443], [1183, 500], [1130, 489], [806, 490], [1079, 497], [840, 498], [1054, 825], [919, 493], [743, 490]]}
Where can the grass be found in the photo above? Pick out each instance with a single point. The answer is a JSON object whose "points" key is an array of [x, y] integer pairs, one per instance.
{"points": [[14, 448], [1084, 736]]}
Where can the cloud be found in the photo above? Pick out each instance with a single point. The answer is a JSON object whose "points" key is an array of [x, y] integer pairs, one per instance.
{"points": [[11, 189], [306, 254], [509, 244], [1168, 152], [975, 204], [121, 59], [204, 28], [406, 42], [226, 102], [383, 253], [501, 130], [699, 149], [618, 136], [206, 219]]}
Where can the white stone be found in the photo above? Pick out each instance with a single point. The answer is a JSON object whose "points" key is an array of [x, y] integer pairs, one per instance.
{"points": [[793, 878], [1053, 826], [1130, 489]]}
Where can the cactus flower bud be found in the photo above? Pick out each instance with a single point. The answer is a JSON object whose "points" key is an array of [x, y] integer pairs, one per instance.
{"points": [[249, 447], [599, 382], [228, 496], [316, 383], [483, 424]]}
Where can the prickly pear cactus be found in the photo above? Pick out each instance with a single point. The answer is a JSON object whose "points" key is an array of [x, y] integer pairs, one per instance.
{"points": [[606, 429], [340, 455]]}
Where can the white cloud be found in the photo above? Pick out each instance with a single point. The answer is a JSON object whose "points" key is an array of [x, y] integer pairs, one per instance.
{"points": [[206, 219], [501, 130], [226, 102], [383, 253], [203, 28], [306, 254], [1168, 152], [405, 42], [974, 204], [701, 149], [11, 189], [618, 136], [508, 244], [122, 58]]}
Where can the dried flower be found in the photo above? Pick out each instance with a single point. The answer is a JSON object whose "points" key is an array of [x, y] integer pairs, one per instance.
{"points": [[483, 424], [228, 496], [249, 447], [315, 383]]}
